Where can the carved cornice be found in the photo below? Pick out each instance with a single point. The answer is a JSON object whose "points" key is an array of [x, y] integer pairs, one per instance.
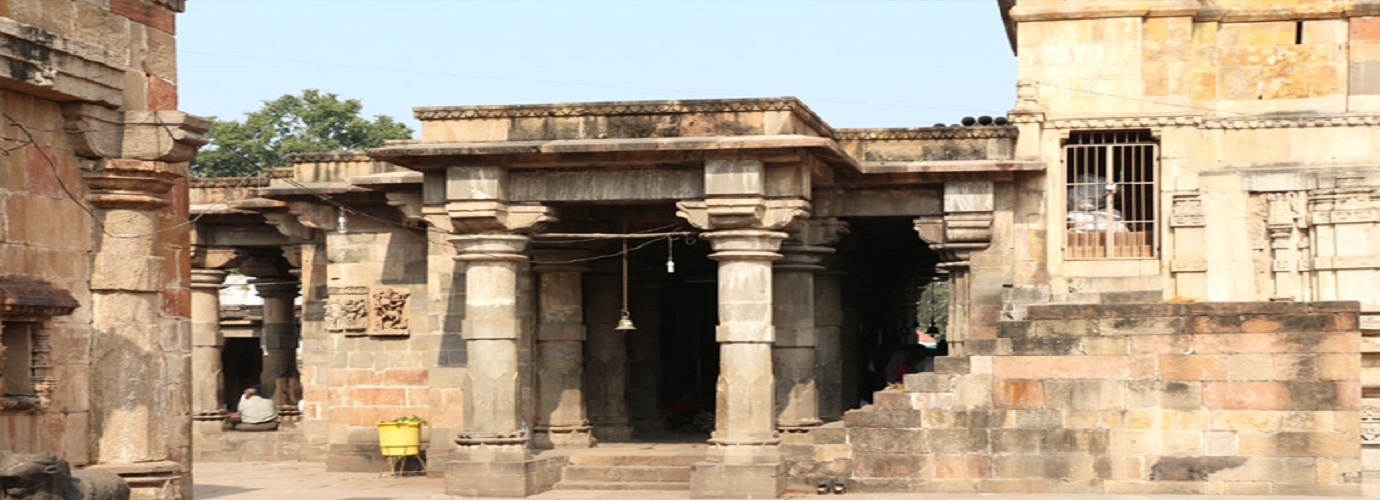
{"points": [[330, 157], [1235, 123], [31, 297], [626, 108], [926, 133], [37, 61], [1293, 122], [1122, 123]]}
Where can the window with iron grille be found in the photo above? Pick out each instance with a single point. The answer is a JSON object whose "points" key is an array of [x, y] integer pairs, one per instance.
{"points": [[1112, 181]]}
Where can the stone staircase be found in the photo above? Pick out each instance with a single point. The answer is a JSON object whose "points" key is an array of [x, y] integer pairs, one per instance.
{"points": [[662, 467]]}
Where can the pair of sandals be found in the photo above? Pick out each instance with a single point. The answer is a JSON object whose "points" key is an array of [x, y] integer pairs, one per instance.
{"points": [[835, 486]]}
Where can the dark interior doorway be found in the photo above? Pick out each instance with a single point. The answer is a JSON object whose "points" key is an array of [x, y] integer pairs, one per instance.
{"points": [[242, 360], [888, 267]]}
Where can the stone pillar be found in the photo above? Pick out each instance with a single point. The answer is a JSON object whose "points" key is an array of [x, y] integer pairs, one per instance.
{"points": [[208, 379], [645, 403], [493, 458], [745, 460], [793, 314], [279, 338], [829, 368], [606, 355], [561, 419]]}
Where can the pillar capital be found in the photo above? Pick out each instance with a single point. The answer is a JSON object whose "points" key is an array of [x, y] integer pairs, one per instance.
{"points": [[275, 288], [491, 247], [744, 244], [132, 184], [207, 279]]}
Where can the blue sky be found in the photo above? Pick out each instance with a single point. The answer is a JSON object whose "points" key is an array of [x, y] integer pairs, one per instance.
{"points": [[858, 63]]}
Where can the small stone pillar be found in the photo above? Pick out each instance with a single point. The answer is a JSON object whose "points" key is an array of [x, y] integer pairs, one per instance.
{"points": [[493, 458], [208, 377], [606, 355], [561, 418], [793, 355], [279, 338], [745, 460]]}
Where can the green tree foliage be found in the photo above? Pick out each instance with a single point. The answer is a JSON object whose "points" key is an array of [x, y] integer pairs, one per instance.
{"points": [[314, 122]]}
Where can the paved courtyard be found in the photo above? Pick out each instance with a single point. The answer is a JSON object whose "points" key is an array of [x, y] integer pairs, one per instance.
{"points": [[308, 481]]}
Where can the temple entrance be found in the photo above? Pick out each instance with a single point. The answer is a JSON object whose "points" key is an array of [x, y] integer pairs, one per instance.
{"points": [[893, 289], [687, 348]]}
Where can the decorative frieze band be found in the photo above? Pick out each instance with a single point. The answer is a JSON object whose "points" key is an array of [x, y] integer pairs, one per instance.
{"points": [[1208, 123], [336, 157]]}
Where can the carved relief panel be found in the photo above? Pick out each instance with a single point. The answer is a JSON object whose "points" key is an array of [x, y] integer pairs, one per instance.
{"points": [[388, 311], [346, 312]]}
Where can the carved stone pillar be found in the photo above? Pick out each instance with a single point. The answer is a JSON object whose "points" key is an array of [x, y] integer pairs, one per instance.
{"points": [[561, 418], [793, 314], [964, 229], [828, 319], [745, 460], [208, 377], [606, 355], [492, 431], [745, 427], [279, 336], [141, 341]]}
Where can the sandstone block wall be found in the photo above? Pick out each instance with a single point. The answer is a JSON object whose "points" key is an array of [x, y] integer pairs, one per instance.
{"points": [[1213, 398]]}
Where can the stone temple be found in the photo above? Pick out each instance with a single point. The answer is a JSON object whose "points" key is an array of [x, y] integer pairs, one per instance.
{"points": [[1152, 275]]}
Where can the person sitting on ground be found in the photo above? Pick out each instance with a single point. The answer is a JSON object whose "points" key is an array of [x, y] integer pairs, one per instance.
{"points": [[257, 413]]}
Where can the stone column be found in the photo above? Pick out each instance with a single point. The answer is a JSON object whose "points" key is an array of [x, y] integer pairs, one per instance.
{"points": [[606, 355], [793, 355], [492, 433], [279, 337], [561, 418], [645, 403], [829, 367], [745, 459], [208, 379]]}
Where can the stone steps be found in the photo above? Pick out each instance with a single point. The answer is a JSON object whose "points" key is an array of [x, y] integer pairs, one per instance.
{"points": [[623, 469]]}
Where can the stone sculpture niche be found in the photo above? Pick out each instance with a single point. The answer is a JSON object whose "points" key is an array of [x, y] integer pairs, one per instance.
{"points": [[44, 476], [345, 311]]}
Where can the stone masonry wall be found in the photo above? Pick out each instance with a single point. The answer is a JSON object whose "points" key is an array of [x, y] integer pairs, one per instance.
{"points": [[1210, 398]]}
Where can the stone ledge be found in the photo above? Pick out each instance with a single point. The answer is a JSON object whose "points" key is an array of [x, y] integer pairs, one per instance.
{"points": [[49, 65]]}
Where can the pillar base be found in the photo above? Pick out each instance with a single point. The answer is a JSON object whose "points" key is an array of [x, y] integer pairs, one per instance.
{"points": [[558, 439], [614, 433], [502, 479], [719, 480]]}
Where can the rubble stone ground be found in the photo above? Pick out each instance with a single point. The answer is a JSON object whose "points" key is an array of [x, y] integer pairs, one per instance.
{"points": [[299, 480]]}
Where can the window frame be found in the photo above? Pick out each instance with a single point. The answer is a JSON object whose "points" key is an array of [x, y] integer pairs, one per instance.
{"points": [[1116, 216]]}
